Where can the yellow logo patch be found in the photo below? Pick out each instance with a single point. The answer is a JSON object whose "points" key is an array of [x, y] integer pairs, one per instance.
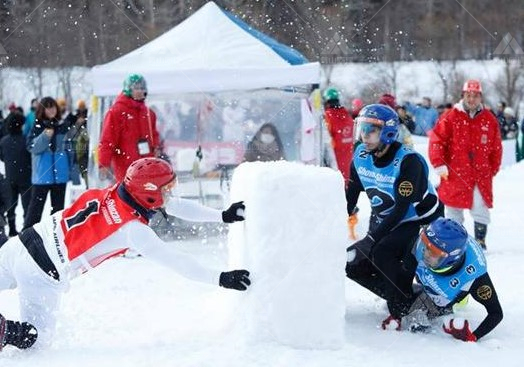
{"points": [[405, 188], [484, 292]]}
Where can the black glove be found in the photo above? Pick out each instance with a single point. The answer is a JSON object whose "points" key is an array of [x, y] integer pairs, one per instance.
{"points": [[20, 334], [234, 213], [235, 279]]}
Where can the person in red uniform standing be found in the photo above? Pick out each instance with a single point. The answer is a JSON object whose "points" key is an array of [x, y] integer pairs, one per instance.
{"points": [[339, 124], [465, 148], [129, 131], [99, 225]]}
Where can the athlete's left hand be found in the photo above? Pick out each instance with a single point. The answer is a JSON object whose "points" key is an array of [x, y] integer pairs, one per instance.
{"points": [[462, 333], [234, 213]]}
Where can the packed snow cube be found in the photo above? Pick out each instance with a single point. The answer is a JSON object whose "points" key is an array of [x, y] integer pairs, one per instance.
{"points": [[293, 241]]}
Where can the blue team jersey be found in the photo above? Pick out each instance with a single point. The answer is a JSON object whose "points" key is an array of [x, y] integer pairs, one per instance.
{"points": [[444, 289], [379, 183]]}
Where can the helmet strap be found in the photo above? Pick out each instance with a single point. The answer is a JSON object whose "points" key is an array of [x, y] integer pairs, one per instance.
{"points": [[128, 199]]}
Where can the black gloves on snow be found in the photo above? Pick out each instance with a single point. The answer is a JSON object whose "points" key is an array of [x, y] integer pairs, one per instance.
{"points": [[234, 213], [235, 279]]}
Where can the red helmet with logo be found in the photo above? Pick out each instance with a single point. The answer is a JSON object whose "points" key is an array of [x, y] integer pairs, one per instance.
{"points": [[145, 179], [472, 86]]}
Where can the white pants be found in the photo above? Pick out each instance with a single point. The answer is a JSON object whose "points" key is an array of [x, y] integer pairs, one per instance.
{"points": [[39, 294], [479, 211]]}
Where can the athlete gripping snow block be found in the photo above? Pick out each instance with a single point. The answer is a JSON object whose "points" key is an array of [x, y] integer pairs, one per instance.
{"points": [[101, 224]]}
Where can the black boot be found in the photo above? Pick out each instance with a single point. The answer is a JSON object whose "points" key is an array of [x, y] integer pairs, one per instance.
{"points": [[19, 334], [480, 234]]}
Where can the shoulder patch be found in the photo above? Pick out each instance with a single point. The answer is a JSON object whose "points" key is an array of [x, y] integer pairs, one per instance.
{"points": [[484, 292], [405, 188]]}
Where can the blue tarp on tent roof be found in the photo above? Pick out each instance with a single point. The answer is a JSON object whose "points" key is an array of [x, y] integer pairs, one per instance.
{"points": [[287, 53]]}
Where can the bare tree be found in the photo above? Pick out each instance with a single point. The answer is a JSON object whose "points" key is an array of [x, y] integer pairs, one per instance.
{"points": [[509, 85]]}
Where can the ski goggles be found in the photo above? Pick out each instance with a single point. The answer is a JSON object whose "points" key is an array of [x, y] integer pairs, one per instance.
{"points": [[433, 256], [368, 125]]}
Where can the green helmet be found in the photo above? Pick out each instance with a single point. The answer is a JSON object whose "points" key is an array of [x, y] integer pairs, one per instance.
{"points": [[330, 94], [134, 80]]}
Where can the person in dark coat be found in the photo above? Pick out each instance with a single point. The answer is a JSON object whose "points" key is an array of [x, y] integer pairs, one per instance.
{"points": [[17, 162]]}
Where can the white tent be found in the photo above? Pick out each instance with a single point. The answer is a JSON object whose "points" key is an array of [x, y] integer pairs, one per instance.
{"points": [[207, 52]]}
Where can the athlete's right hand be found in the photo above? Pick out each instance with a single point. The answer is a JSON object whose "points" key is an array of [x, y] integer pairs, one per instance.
{"points": [[235, 279]]}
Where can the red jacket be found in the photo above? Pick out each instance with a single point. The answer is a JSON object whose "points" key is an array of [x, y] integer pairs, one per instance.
{"points": [[126, 124], [471, 148], [340, 126]]}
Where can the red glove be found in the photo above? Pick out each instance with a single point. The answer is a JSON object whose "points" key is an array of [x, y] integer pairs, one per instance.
{"points": [[463, 333], [391, 323]]}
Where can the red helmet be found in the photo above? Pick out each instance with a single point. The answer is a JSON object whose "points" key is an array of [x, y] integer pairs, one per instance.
{"points": [[472, 86], [144, 181]]}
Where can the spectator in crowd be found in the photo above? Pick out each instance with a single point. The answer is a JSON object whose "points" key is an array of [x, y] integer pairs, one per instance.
{"points": [[14, 112], [510, 126], [499, 112], [425, 116], [265, 146], [77, 139], [388, 100], [466, 150], [50, 160], [340, 127], [402, 199], [30, 117], [356, 106], [129, 130], [405, 118], [519, 149], [17, 162], [99, 225]]}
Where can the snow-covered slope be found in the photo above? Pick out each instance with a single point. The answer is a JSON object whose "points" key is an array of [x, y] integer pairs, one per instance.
{"points": [[130, 312]]}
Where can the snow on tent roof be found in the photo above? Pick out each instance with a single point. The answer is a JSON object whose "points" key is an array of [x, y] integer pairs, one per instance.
{"points": [[208, 52]]}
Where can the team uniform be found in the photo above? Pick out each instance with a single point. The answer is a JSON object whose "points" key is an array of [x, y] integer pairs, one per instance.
{"points": [[460, 270], [101, 224], [402, 198], [340, 126]]}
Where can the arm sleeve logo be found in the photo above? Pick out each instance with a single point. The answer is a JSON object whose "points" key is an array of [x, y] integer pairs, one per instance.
{"points": [[484, 292], [405, 188]]}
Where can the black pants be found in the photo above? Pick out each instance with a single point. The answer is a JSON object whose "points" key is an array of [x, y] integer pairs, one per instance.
{"points": [[14, 190], [38, 198], [388, 267]]}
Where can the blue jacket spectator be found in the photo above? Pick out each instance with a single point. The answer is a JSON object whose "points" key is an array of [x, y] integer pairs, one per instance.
{"points": [[424, 115], [50, 160], [30, 118]]}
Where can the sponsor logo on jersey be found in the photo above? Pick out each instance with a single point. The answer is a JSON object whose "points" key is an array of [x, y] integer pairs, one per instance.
{"points": [[405, 188], [377, 176], [113, 212], [432, 282], [484, 292]]}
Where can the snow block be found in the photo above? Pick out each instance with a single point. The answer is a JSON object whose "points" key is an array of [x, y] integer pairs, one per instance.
{"points": [[293, 241]]}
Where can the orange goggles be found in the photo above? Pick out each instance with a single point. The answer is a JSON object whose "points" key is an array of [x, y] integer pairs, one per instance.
{"points": [[436, 254]]}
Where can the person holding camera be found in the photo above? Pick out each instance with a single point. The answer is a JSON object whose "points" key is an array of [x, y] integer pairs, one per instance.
{"points": [[50, 161]]}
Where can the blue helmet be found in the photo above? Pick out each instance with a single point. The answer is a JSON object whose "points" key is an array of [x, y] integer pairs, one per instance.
{"points": [[382, 116], [444, 241]]}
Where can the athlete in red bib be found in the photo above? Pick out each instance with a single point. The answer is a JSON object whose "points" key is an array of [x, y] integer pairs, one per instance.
{"points": [[101, 223]]}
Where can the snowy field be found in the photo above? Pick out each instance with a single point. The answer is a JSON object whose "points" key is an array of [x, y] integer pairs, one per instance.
{"points": [[130, 312]]}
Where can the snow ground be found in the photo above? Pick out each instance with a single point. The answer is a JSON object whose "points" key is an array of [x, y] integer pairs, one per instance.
{"points": [[130, 312]]}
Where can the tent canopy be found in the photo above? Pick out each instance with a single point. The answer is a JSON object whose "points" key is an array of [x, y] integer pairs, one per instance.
{"points": [[210, 51]]}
